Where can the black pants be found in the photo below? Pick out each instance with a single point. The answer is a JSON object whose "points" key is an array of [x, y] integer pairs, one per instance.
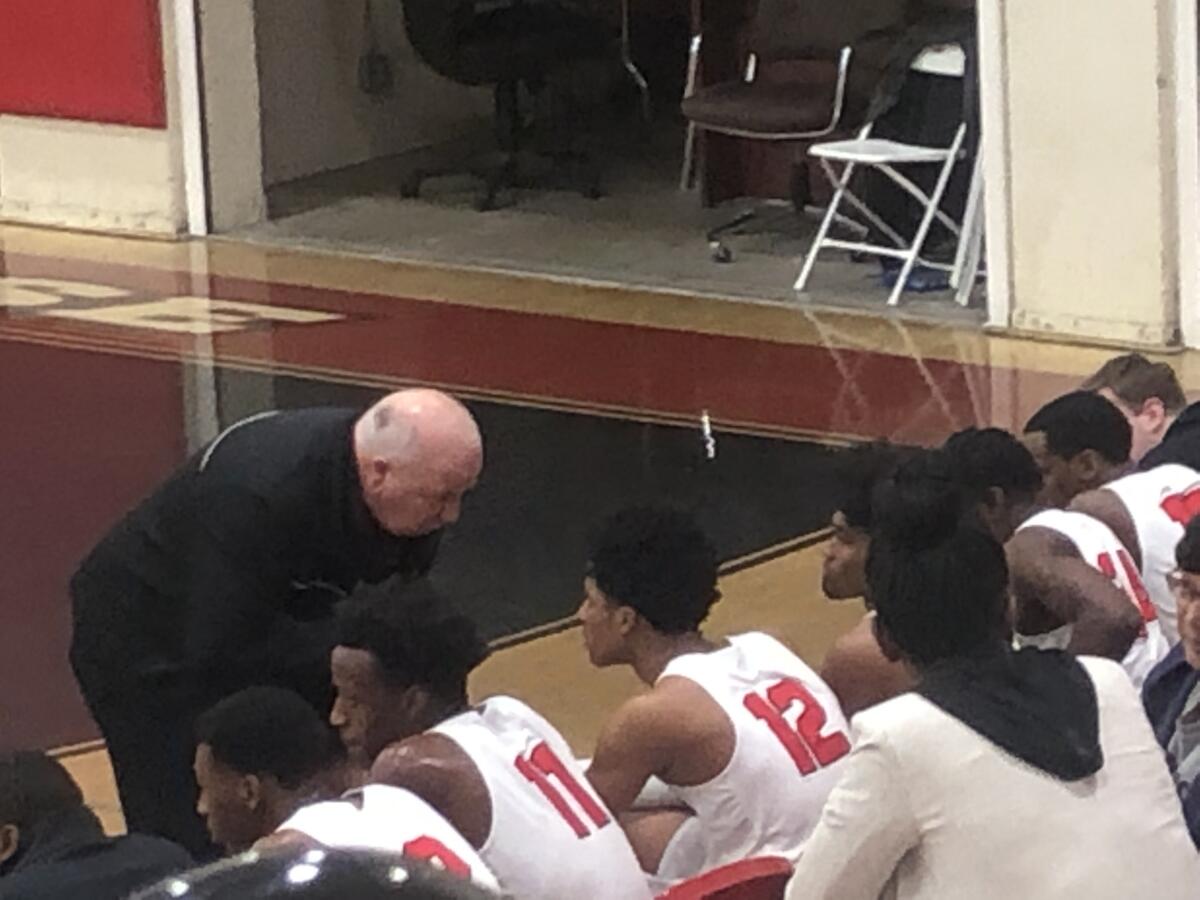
{"points": [[149, 723], [151, 742]]}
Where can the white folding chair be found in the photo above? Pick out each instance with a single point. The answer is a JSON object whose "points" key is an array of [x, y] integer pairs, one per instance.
{"points": [[886, 155]]}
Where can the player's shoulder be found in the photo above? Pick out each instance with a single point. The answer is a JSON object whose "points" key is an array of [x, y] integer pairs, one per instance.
{"points": [[427, 764]]}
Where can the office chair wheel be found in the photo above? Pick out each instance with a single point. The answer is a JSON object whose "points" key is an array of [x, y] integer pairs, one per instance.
{"points": [[719, 252]]}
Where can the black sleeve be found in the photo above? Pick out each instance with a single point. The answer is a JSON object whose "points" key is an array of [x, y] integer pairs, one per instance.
{"points": [[238, 590]]}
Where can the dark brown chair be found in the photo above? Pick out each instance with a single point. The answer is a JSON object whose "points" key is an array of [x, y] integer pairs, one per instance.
{"points": [[507, 44], [767, 107]]}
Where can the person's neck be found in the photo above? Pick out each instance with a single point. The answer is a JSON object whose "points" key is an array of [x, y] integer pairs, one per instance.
{"points": [[657, 651]]}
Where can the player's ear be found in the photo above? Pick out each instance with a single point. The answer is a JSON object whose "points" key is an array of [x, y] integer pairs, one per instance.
{"points": [[627, 619], [10, 840], [250, 791], [1089, 467]]}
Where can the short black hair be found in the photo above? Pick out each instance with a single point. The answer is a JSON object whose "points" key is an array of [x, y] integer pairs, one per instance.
{"points": [[35, 787], [1134, 379], [1082, 420], [658, 561], [269, 731], [937, 581], [858, 469], [1187, 551], [986, 458], [414, 635]]}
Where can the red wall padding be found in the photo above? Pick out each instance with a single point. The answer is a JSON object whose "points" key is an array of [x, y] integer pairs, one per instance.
{"points": [[96, 60]]}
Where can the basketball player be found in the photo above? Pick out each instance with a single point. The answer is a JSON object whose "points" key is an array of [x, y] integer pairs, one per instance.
{"points": [[1081, 441], [269, 769], [498, 772], [1148, 512], [380, 817], [746, 738], [262, 754], [854, 668]]}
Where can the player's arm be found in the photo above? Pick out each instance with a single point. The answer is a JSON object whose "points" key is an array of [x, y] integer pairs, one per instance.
{"points": [[1046, 573], [859, 674], [637, 742], [1106, 506], [436, 769]]}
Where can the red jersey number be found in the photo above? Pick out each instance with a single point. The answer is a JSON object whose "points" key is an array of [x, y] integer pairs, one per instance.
{"points": [[808, 748], [543, 768], [1184, 507], [1139, 595], [434, 851]]}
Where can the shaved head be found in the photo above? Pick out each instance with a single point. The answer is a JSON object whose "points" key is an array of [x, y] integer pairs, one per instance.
{"points": [[418, 451]]}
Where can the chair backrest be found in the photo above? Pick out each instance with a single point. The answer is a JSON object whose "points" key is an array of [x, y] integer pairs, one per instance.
{"points": [[760, 878], [434, 28]]}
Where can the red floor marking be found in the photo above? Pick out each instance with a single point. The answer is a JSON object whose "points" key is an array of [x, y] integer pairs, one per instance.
{"points": [[751, 381]]}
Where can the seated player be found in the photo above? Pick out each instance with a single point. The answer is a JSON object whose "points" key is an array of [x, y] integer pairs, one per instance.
{"points": [[262, 754], [1147, 511], [1150, 397], [1081, 441], [53, 848], [746, 738], [500, 773], [269, 770], [381, 817], [1004, 774], [854, 668]]}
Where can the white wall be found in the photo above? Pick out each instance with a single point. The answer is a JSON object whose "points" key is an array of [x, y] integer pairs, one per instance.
{"points": [[314, 117], [233, 134], [87, 175], [1092, 169]]}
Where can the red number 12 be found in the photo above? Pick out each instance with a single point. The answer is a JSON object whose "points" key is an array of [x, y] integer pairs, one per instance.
{"points": [[804, 743]]}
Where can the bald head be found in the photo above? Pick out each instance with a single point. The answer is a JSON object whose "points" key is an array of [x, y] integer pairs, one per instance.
{"points": [[419, 451]]}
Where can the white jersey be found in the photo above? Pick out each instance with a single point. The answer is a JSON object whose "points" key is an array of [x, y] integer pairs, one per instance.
{"points": [[1160, 502], [790, 739], [380, 817], [1103, 551], [552, 837]]}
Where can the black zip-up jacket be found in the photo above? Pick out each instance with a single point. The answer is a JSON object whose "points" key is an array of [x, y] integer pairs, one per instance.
{"points": [[231, 569]]}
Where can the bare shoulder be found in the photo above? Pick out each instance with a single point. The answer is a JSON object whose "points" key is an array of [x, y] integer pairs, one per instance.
{"points": [[428, 764], [1030, 544], [289, 839], [674, 712], [1105, 506], [859, 674]]}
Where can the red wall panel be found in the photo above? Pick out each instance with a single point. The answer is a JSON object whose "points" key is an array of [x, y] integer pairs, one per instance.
{"points": [[96, 60]]}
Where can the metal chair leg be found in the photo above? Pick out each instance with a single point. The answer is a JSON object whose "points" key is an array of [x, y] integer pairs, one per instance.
{"points": [[823, 232], [931, 211]]}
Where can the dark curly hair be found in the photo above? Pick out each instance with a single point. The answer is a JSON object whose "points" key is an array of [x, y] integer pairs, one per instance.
{"points": [[659, 562], [986, 458], [270, 731], [1081, 421], [937, 581], [414, 635]]}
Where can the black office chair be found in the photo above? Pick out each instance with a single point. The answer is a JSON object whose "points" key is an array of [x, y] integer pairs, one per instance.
{"points": [[507, 44]]}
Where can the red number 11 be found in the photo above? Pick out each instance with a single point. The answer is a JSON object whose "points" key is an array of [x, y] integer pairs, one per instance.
{"points": [[539, 767], [804, 743]]}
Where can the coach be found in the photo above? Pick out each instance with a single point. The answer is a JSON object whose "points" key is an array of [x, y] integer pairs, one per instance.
{"points": [[227, 575]]}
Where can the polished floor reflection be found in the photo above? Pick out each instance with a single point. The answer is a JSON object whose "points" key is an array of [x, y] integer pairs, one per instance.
{"points": [[120, 356]]}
